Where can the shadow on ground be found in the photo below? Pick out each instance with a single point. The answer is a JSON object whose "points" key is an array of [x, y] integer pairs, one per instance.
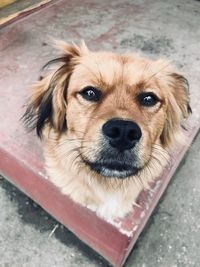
{"points": [[31, 213]]}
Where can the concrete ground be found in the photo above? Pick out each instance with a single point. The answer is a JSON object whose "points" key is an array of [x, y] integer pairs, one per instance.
{"points": [[170, 239], [29, 237]]}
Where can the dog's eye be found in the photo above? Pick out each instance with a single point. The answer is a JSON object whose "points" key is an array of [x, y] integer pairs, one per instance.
{"points": [[91, 94], [148, 99]]}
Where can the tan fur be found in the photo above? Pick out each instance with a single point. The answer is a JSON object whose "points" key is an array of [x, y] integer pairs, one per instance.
{"points": [[120, 78]]}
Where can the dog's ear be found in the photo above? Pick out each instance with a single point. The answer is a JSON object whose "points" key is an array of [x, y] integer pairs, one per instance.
{"points": [[178, 108], [48, 101]]}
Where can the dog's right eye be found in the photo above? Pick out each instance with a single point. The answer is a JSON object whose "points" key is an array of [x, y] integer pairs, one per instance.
{"points": [[91, 94]]}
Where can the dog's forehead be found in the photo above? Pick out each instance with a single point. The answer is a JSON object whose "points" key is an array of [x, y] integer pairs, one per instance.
{"points": [[103, 68]]}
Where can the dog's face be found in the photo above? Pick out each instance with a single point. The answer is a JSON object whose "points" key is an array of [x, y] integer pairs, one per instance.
{"points": [[120, 109]]}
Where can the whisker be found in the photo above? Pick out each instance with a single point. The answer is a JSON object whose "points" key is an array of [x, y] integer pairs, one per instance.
{"points": [[154, 74]]}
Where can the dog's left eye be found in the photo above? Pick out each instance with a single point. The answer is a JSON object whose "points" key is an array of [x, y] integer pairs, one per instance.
{"points": [[148, 99], [91, 94]]}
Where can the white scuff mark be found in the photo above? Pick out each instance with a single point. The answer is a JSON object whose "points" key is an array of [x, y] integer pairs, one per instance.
{"points": [[135, 228], [146, 206], [125, 232], [153, 190], [23, 66], [118, 225], [43, 175]]}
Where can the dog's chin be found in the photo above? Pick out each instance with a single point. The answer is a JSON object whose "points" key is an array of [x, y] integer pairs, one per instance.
{"points": [[113, 170]]}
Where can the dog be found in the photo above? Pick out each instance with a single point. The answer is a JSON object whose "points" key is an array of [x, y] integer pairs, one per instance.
{"points": [[107, 122]]}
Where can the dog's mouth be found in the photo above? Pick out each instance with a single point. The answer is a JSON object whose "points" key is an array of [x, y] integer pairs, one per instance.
{"points": [[111, 163], [113, 169]]}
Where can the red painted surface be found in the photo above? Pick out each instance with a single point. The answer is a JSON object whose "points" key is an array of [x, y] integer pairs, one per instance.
{"points": [[25, 13], [23, 51], [82, 222]]}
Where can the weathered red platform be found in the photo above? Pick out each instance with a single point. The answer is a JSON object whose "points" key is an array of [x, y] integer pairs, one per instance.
{"points": [[23, 51]]}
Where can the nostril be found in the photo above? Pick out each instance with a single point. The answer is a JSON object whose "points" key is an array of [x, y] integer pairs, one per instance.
{"points": [[114, 132], [134, 134], [131, 135]]}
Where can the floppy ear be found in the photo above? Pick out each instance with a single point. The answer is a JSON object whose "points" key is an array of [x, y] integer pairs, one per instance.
{"points": [[178, 108], [48, 101]]}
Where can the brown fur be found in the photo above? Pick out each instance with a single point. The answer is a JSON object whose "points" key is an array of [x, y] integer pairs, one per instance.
{"points": [[71, 126]]}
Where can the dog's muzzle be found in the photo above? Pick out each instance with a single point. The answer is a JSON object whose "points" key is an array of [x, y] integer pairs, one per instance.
{"points": [[117, 157]]}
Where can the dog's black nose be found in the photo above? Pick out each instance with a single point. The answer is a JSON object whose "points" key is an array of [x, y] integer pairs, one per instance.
{"points": [[122, 134]]}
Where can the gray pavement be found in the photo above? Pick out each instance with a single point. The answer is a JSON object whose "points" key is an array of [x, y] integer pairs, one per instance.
{"points": [[170, 239]]}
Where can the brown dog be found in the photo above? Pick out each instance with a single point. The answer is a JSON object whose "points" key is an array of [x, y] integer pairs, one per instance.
{"points": [[107, 122]]}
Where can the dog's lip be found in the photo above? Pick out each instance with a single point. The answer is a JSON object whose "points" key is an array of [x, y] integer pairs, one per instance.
{"points": [[115, 166], [112, 169]]}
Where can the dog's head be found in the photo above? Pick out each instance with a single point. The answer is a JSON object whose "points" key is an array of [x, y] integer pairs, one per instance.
{"points": [[120, 109]]}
